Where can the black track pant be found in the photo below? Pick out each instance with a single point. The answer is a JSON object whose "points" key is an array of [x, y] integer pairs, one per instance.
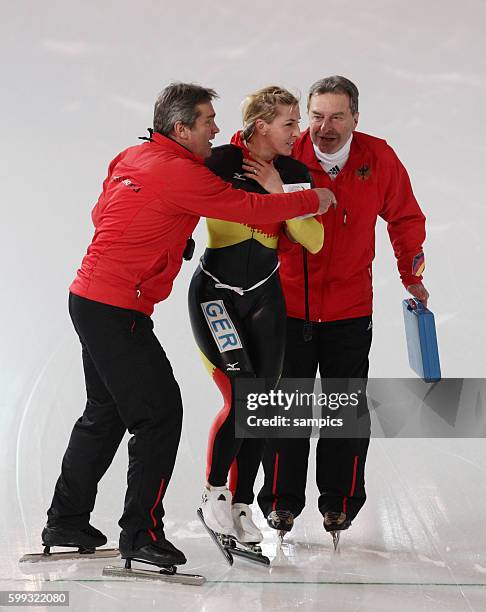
{"points": [[258, 317], [340, 349], [130, 386]]}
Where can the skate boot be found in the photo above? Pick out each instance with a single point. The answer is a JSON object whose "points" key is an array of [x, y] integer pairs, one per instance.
{"points": [[246, 532], [282, 521], [334, 523], [248, 535], [216, 510], [86, 540], [161, 553]]}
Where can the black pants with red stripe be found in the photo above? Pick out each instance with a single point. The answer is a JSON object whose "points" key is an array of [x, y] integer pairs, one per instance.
{"points": [[339, 349], [130, 386], [258, 317]]}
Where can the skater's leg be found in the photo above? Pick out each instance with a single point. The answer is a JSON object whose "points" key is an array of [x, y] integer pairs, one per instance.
{"points": [[223, 366], [340, 463], [265, 325], [134, 368], [244, 470], [93, 443], [285, 460], [285, 467]]}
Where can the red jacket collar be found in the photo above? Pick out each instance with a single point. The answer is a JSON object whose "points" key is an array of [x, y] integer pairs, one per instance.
{"points": [[174, 147], [237, 141]]}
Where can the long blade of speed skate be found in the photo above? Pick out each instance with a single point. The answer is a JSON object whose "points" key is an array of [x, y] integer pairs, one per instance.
{"points": [[224, 551], [140, 574], [69, 555], [250, 555]]}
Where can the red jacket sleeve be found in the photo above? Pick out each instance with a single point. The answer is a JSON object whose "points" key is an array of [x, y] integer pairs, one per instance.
{"points": [[406, 222], [192, 188]]}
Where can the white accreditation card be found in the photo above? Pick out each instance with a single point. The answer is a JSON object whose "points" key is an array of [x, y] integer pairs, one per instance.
{"points": [[291, 187]]}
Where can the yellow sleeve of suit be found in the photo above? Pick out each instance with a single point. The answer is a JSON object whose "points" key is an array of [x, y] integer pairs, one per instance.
{"points": [[307, 232]]}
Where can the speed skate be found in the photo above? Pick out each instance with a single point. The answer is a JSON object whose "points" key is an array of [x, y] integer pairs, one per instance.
{"points": [[334, 523], [229, 546], [85, 542]]}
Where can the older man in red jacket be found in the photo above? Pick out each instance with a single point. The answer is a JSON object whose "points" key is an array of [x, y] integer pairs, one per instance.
{"points": [[151, 202], [329, 295]]}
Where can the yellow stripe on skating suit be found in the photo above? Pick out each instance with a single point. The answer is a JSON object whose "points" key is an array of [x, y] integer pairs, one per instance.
{"points": [[307, 232], [207, 364], [227, 233]]}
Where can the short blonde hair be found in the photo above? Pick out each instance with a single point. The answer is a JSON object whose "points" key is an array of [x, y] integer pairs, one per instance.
{"points": [[262, 104]]}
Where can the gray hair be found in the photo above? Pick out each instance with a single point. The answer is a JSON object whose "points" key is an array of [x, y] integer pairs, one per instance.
{"points": [[336, 84], [178, 102]]}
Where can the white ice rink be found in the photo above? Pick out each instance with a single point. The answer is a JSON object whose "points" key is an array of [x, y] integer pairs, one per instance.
{"points": [[79, 80]]}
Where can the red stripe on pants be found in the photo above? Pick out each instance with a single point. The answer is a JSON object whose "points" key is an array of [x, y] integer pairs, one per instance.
{"points": [[233, 477], [274, 487], [152, 510], [353, 484]]}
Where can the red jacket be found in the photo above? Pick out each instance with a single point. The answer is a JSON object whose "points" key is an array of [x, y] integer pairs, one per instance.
{"points": [[372, 183], [151, 202]]}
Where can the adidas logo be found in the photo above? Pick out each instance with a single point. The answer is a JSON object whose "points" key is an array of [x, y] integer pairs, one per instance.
{"points": [[334, 171]]}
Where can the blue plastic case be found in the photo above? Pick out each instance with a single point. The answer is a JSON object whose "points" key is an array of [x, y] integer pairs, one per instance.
{"points": [[423, 353]]}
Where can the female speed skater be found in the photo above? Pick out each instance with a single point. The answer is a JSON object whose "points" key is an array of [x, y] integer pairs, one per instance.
{"points": [[236, 289]]}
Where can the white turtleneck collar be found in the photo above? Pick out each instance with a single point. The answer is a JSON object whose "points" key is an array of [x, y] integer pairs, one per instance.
{"points": [[333, 163]]}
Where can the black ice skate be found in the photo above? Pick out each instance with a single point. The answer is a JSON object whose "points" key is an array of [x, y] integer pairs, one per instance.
{"points": [[282, 521], [164, 555], [334, 523], [86, 541], [229, 546]]}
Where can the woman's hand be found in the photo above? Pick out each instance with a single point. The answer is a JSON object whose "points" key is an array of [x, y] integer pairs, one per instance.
{"points": [[264, 173]]}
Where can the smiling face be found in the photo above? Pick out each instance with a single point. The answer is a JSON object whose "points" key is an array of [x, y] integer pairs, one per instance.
{"points": [[331, 121], [280, 134], [198, 138]]}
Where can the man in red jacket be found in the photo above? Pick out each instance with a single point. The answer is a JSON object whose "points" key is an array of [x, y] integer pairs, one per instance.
{"points": [[329, 295], [151, 202]]}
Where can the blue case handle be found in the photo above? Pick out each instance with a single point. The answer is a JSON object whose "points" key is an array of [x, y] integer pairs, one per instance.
{"points": [[415, 304]]}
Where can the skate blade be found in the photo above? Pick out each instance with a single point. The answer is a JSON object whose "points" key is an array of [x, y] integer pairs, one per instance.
{"points": [[224, 551], [250, 555], [70, 555], [336, 535], [155, 576]]}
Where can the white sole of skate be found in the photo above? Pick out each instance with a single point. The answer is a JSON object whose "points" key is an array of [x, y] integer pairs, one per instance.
{"points": [[70, 555]]}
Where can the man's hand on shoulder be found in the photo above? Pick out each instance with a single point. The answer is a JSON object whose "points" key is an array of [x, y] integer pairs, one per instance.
{"points": [[420, 292]]}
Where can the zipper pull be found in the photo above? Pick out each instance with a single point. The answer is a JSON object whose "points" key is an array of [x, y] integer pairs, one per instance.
{"points": [[345, 216]]}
